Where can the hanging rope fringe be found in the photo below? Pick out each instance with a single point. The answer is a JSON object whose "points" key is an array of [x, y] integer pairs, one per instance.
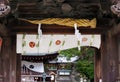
{"points": [[66, 22]]}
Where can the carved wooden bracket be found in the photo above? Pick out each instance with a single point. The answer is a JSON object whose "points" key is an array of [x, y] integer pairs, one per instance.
{"points": [[115, 8], [4, 8]]}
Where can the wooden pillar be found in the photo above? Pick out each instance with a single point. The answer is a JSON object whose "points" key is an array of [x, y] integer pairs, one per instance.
{"points": [[18, 71], [108, 57], [7, 56], [113, 52], [1, 69], [105, 66], [13, 60], [115, 33], [8, 60], [6, 51], [118, 59], [3, 32], [97, 66]]}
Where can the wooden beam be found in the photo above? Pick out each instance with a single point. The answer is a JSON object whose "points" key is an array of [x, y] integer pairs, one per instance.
{"points": [[55, 29], [45, 9], [26, 27]]}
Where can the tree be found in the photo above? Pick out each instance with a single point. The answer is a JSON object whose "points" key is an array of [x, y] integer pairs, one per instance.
{"points": [[85, 64]]}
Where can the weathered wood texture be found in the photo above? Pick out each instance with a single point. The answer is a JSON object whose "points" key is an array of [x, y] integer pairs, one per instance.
{"points": [[3, 30], [97, 66], [13, 60], [109, 57], [18, 66], [7, 56], [8, 60], [118, 61], [6, 51], [105, 60], [115, 30], [1, 72], [54, 8], [56, 29]]}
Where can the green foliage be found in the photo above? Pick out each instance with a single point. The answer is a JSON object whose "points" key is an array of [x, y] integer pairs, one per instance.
{"points": [[86, 68], [85, 51], [85, 65], [70, 52]]}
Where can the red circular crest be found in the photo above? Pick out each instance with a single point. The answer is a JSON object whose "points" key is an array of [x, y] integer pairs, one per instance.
{"points": [[32, 44], [84, 39], [58, 42]]}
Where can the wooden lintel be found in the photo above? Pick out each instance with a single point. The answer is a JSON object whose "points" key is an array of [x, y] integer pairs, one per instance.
{"points": [[55, 29]]}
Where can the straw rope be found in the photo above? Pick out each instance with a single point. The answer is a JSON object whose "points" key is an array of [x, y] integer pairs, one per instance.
{"points": [[66, 22]]}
